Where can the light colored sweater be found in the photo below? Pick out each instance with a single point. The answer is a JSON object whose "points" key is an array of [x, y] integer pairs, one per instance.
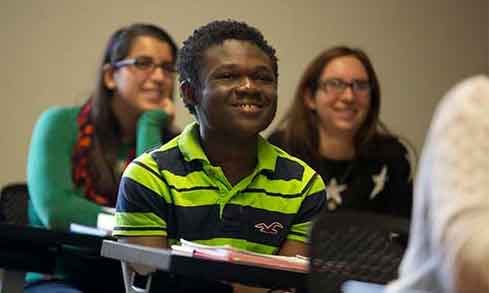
{"points": [[450, 224]]}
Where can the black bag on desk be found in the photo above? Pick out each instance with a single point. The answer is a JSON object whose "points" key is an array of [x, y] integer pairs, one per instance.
{"points": [[355, 246]]}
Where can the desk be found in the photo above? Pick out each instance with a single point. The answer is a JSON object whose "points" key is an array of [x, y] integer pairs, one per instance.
{"points": [[164, 260], [36, 249]]}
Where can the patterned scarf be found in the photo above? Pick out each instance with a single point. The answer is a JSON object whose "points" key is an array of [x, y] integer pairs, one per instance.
{"points": [[80, 159]]}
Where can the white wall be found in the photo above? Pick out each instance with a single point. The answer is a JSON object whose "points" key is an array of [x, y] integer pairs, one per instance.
{"points": [[50, 50]]}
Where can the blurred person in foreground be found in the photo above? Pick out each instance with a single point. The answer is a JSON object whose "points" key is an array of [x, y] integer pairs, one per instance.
{"points": [[448, 249]]}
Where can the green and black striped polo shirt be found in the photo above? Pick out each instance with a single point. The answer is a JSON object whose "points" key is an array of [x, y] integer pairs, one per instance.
{"points": [[174, 191]]}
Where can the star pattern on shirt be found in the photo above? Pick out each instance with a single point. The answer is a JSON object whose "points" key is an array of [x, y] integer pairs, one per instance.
{"points": [[379, 182], [333, 193]]}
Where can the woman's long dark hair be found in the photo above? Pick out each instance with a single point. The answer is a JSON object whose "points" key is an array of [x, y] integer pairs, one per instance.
{"points": [[107, 138], [300, 125]]}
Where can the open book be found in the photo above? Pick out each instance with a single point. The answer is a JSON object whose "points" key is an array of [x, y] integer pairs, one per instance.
{"points": [[240, 256]]}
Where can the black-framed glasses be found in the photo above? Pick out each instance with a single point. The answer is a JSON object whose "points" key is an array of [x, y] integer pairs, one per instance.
{"points": [[338, 86], [146, 64]]}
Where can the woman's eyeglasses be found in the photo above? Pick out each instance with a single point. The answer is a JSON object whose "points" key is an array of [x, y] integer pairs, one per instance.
{"points": [[146, 64], [338, 86]]}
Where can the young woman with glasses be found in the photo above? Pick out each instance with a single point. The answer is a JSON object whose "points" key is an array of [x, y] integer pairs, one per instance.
{"points": [[77, 154], [333, 124]]}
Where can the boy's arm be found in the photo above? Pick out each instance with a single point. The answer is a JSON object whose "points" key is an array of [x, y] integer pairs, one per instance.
{"points": [[293, 248], [312, 204], [137, 220], [151, 241]]}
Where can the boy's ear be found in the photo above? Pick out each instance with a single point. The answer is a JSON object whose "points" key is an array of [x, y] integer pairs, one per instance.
{"points": [[188, 93]]}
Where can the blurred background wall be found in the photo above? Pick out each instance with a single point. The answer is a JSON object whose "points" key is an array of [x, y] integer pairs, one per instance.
{"points": [[50, 50]]}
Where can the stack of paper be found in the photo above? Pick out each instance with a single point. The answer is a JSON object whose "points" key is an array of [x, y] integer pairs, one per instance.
{"points": [[105, 224], [240, 256], [106, 221], [77, 228]]}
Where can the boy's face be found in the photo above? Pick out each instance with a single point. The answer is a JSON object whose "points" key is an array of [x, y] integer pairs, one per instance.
{"points": [[238, 93]]}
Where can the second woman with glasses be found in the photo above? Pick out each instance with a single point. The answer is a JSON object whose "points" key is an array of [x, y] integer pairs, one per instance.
{"points": [[77, 154], [333, 124]]}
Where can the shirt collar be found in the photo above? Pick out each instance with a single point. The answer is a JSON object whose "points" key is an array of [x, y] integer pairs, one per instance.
{"points": [[189, 145]]}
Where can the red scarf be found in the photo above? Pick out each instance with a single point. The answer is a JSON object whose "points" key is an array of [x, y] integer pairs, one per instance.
{"points": [[80, 172]]}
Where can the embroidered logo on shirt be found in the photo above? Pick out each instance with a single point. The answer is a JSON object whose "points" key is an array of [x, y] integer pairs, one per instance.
{"points": [[273, 228]]}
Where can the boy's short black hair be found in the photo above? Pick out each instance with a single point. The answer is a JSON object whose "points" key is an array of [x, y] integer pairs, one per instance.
{"points": [[215, 33]]}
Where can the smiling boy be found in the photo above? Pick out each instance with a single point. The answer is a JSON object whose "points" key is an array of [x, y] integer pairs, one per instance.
{"points": [[220, 182]]}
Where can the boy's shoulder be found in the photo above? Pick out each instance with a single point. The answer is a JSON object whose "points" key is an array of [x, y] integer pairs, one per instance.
{"points": [[292, 164]]}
